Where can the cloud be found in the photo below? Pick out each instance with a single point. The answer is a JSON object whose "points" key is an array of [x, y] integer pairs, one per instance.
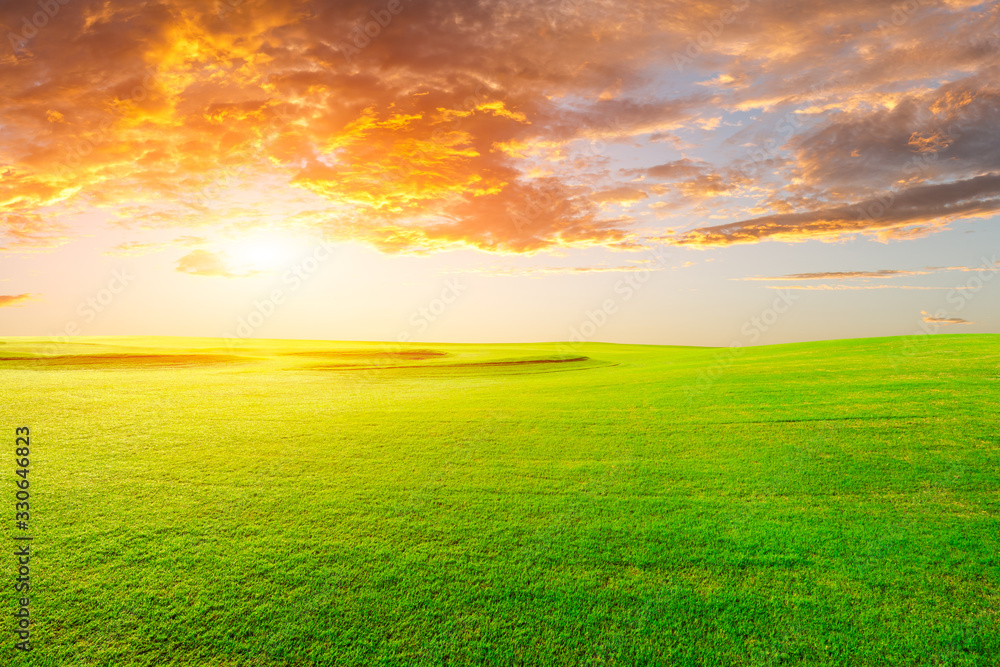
{"points": [[881, 273], [687, 181], [840, 275], [987, 265], [920, 207], [396, 142], [674, 170], [208, 263], [943, 320], [843, 287], [30, 232], [619, 195], [550, 270], [133, 248], [944, 133], [431, 134], [15, 300]]}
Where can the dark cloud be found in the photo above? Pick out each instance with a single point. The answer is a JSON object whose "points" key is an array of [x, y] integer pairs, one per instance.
{"points": [[913, 211], [948, 133]]}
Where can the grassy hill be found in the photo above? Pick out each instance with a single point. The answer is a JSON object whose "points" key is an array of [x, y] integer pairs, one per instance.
{"points": [[308, 502]]}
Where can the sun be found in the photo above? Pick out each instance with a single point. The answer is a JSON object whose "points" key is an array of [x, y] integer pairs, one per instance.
{"points": [[263, 252]]}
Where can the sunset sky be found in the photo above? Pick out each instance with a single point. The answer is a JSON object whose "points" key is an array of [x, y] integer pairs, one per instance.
{"points": [[699, 173]]}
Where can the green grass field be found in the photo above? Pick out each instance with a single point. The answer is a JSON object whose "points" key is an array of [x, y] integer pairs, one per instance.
{"points": [[301, 503]]}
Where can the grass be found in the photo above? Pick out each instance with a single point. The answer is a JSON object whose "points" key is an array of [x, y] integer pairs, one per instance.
{"points": [[299, 503]]}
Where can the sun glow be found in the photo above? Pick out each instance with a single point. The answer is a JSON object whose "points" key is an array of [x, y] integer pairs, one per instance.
{"points": [[261, 252]]}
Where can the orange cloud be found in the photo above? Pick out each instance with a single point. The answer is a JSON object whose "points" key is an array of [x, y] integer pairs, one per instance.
{"points": [[29, 231], [15, 300], [433, 133], [620, 195]]}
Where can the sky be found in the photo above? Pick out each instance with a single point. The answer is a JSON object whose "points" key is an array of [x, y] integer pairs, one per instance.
{"points": [[727, 173]]}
